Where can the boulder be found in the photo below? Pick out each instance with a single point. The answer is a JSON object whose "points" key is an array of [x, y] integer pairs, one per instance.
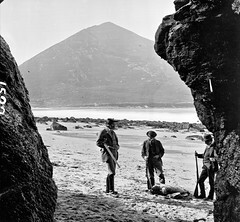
{"points": [[27, 190], [195, 137], [57, 126], [72, 119]]}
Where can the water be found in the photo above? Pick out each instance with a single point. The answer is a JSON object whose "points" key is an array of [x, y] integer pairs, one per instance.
{"points": [[152, 114]]}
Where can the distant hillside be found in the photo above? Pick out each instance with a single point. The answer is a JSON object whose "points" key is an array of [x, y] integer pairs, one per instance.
{"points": [[104, 64]]}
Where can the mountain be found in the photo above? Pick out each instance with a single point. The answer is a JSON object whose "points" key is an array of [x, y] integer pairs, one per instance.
{"points": [[104, 64]]}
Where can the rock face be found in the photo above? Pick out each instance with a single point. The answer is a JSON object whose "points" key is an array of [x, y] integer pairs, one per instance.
{"points": [[201, 42], [27, 190]]}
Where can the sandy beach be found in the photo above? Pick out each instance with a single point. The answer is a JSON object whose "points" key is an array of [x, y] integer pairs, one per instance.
{"points": [[80, 176]]}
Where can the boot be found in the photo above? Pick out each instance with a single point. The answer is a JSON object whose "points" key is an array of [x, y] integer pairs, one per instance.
{"points": [[162, 178], [211, 193], [111, 188], [202, 191], [111, 183], [150, 183], [107, 184]]}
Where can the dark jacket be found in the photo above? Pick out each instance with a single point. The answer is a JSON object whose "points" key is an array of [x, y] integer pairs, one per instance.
{"points": [[152, 147], [105, 137]]}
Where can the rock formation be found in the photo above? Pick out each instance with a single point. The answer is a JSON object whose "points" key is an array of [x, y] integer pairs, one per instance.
{"points": [[27, 190], [57, 126], [201, 42]]}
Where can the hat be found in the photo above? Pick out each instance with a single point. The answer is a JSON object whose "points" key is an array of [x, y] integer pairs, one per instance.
{"points": [[151, 134], [207, 137], [111, 121]]}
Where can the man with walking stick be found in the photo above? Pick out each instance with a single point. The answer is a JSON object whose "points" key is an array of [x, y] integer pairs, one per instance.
{"points": [[152, 152], [209, 168], [108, 142]]}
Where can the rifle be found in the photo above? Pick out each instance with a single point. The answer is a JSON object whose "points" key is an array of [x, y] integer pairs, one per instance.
{"points": [[195, 194], [110, 153]]}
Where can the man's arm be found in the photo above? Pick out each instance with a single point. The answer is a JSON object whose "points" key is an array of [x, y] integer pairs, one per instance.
{"points": [[143, 152], [101, 139], [159, 149], [116, 140], [199, 155]]}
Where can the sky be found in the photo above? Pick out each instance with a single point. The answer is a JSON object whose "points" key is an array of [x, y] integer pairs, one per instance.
{"points": [[31, 26]]}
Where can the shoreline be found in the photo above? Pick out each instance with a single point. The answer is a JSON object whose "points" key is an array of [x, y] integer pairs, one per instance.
{"points": [[137, 114], [124, 123], [121, 105]]}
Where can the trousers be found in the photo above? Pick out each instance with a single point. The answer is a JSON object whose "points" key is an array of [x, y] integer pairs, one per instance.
{"points": [[204, 174], [111, 165], [151, 165]]}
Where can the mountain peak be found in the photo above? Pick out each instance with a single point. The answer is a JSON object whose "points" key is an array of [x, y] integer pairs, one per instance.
{"points": [[113, 28], [108, 24]]}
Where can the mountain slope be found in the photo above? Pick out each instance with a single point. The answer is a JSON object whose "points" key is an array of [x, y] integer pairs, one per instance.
{"points": [[103, 64]]}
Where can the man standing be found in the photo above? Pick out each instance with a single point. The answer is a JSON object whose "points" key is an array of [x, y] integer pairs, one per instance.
{"points": [[152, 152], [209, 167], [108, 137]]}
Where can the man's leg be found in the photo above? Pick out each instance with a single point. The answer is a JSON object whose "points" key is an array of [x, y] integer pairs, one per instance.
{"points": [[150, 175], [107, 184], [159, 171], [202, 178], [111, 173], [211, 183]]}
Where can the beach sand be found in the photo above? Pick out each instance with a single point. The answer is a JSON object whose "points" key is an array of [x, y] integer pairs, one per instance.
{"points": [[80, 176]]}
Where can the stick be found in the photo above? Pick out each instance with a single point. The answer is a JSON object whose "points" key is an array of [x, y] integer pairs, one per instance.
{"points": [[196, 188], [210, 85], [110, 153]]}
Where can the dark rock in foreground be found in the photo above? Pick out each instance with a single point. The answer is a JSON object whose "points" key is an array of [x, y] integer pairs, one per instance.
{"points": [[27, 190], [201, 42]]}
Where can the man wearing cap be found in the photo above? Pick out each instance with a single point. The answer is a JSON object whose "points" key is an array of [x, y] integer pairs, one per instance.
{"points": [[107, 137], [209, 167], [152, 152]]}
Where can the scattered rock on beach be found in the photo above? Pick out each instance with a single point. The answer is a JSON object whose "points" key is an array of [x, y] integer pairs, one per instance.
{"points": [[78, 127], [57, 126], [71, 119], [195, 137]]}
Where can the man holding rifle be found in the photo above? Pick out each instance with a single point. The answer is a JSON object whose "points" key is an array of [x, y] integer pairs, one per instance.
{"points": [[108, 142], [209, 168], [152, 152]]}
